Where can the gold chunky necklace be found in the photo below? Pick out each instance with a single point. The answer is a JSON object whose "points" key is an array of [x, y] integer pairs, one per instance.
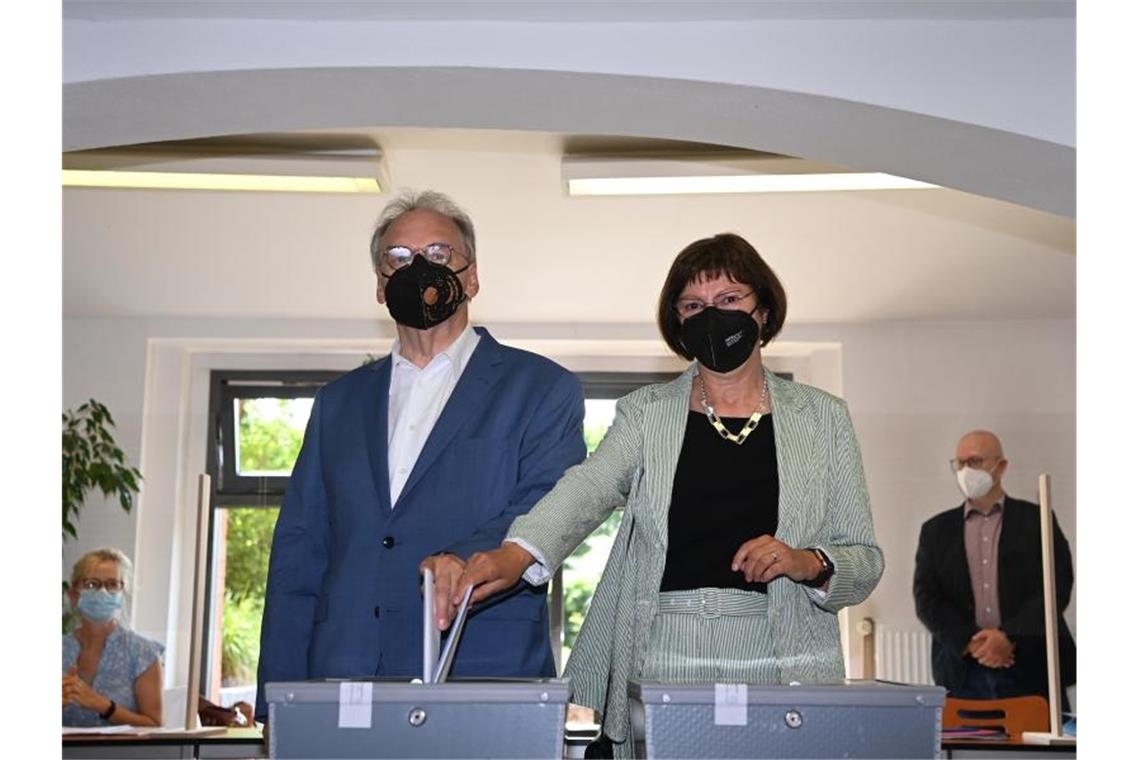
{"points": [[714, 420]]}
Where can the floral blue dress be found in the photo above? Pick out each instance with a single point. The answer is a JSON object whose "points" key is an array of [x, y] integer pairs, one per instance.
{"points": [[126, 655]]}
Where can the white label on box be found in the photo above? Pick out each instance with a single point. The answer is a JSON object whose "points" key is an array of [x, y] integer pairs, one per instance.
{"points": [[731, 704], [355, 705]]}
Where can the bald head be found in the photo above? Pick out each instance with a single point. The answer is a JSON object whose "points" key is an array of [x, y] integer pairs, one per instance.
{"points": [[979, 443], [981, 450]]}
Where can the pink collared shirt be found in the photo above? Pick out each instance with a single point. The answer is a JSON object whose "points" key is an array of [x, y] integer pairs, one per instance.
{"points": [[982, 533]]}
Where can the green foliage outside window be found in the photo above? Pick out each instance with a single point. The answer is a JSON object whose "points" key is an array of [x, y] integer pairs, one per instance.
{"points": [[248, 538], [580, 590], [269, 435], [269, 440], [594, 435]]}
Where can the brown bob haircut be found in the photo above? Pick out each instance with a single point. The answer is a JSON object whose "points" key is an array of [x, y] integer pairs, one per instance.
{"points": [[725, 254]]}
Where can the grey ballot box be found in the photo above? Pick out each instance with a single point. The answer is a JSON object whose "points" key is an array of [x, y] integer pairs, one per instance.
{"points": [[856, 719], [469, 719]]}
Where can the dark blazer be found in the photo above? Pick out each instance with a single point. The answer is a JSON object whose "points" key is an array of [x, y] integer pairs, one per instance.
{"points": [[343, 592], [944, 598]]}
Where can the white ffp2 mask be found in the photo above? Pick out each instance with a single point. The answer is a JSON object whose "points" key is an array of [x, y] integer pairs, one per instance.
{"points": [[974, 483]]}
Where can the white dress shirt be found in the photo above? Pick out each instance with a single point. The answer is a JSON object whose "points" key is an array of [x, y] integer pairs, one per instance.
{"points": [[416, 398]]}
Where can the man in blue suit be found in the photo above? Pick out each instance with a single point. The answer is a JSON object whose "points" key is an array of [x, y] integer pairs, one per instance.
{"points": [[432, 450]]}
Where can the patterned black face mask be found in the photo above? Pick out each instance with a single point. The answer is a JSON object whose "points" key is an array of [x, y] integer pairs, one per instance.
{"points": [[720, 339], [423, 294]]}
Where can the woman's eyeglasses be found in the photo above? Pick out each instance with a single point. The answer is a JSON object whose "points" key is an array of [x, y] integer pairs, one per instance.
{"points": [[94, 584], [687, 307]]}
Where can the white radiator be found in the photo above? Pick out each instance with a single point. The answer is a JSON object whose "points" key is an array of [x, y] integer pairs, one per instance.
{"points": [[902, 655]]}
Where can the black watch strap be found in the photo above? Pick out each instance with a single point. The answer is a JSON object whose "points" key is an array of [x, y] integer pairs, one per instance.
{"points": [[824, 574], [106, 714]]}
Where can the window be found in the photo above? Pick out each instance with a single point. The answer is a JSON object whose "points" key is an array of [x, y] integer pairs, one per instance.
{"points": [[258, 421], [582, 570]]}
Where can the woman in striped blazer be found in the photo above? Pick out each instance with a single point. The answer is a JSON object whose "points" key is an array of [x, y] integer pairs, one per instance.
{"points": [[747, 524]]}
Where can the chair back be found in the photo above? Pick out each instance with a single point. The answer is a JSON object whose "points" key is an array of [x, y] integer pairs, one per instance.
{"points": [[1014, 715]]}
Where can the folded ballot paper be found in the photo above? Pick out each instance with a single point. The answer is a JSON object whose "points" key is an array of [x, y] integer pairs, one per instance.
{"points": [[436, 664]]}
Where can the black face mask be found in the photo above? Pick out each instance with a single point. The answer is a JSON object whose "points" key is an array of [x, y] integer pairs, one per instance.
{"points": [[720, 339], [423, 294]]}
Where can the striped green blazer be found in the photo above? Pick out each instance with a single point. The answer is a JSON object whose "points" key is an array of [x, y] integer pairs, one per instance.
{"points": [[823, 502]]}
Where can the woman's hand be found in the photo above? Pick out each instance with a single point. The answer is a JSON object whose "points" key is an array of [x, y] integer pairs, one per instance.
{"points": [[493, 571], [76, 691], [765, 558], [68, 689]]}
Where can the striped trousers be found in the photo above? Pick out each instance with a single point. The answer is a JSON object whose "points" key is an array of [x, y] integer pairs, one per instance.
{"points": [[711, 635]]}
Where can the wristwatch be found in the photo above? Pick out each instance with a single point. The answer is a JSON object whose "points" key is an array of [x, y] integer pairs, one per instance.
{"points": [[106, 714], [824, 574]]}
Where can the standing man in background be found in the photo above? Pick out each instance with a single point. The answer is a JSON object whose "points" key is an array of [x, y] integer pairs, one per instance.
{"points": [[978, 585], [432, 450]]}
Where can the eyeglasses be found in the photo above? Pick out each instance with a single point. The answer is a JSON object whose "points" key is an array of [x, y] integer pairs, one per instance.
{"points": [[687, 307], [974, 463], [399, 256], [94, 584]]}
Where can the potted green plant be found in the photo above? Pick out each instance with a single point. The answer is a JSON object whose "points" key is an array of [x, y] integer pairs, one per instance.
{"points": [[92, 461]]}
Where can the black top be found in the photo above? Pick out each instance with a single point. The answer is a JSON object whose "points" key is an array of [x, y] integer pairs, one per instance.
{"points": [[723, 495]]}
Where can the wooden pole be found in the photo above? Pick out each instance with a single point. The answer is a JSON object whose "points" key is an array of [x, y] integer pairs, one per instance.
{"points": [[1049, 588], [198, 606]]}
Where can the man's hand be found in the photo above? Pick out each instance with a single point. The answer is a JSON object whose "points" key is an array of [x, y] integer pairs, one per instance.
{"points": [[493, 571], [765, 558], [447, 569], [992, 648]]}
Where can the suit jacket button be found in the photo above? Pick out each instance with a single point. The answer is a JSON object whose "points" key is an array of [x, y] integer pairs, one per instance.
{"points": [[388, 542]]}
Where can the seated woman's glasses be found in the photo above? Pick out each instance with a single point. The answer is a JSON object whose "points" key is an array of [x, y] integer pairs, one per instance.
{"points": [[94, 584]]}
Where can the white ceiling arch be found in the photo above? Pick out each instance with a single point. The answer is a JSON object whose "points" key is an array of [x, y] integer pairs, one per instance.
{"points": [[980, 160]]}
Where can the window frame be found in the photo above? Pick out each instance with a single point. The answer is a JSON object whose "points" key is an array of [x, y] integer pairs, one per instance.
{"points": [[227, 487], [601, 386]]}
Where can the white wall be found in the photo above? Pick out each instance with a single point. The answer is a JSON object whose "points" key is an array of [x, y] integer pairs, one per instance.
{"points": [[913, 388]]}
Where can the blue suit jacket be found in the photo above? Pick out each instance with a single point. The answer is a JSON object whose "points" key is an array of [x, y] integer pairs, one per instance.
{"points": [[343, 592]]}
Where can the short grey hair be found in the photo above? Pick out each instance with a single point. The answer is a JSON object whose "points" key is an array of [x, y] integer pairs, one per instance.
{"points": [[427, 200]]}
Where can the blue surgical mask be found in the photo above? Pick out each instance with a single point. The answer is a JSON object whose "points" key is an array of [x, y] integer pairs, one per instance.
{"points": [[99, 605]]}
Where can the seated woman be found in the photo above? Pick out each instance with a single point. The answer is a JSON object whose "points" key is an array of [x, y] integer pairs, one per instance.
{"points": [[747, 524], [111, 675]]}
